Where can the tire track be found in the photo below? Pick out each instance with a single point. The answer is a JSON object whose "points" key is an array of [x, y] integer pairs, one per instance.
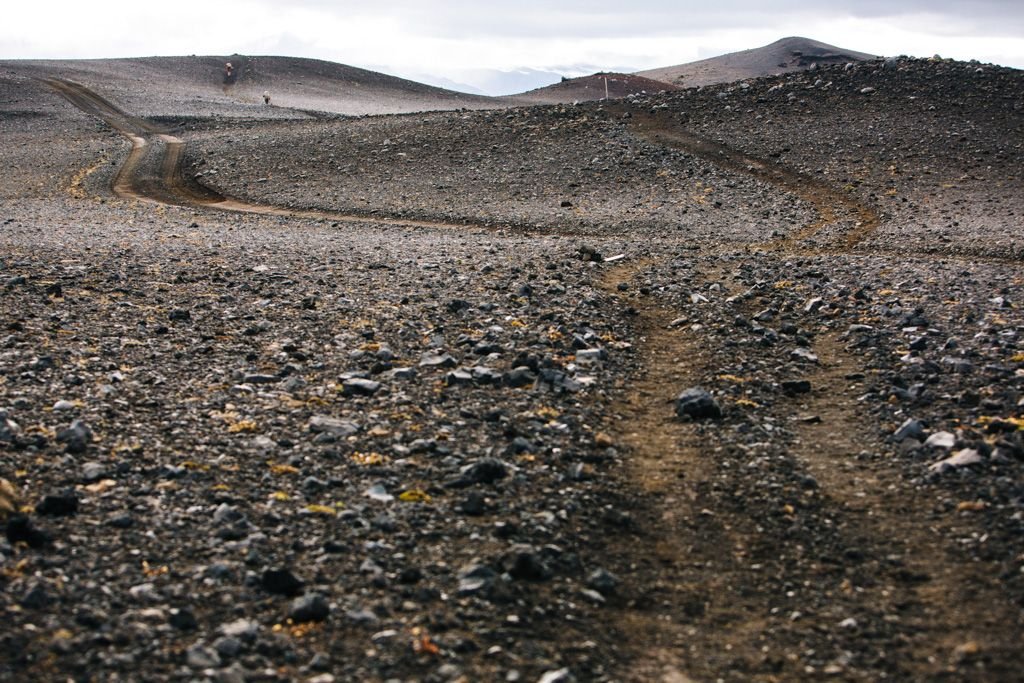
{"points": [[153, 173], [832, 206]]}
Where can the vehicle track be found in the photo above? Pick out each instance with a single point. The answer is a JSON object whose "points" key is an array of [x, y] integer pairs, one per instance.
{"points": [[869, 544], [834, 208], [152, 172]]}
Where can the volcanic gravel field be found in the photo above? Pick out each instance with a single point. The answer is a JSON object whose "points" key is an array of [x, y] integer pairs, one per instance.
{"points": [[712, 384]]}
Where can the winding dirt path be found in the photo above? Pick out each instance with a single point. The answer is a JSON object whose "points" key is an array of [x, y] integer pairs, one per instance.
{"points": [[834, 207], [152, 172]]}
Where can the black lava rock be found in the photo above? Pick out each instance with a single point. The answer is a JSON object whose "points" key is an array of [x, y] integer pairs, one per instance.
{"points": [[312, 607], [21, 530], [697, 404], [281, 582], [486, 471], [183, 619], [58, 504], [796, 386], [76, 437]]}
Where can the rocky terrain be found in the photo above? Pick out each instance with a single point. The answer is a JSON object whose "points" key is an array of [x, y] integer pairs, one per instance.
{"points": [[716, 384]]}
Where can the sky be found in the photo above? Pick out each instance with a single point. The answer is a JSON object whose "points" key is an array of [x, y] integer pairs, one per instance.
{"points": [[504, 47]]}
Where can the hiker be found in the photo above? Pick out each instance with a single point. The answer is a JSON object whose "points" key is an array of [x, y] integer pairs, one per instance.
{"points": [[266, 97]]}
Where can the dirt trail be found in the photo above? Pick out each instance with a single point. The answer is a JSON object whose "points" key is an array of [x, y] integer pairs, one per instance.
{"points": [[879, 551], [152, 172], [833, 207], [951, 608], [862, 553]]}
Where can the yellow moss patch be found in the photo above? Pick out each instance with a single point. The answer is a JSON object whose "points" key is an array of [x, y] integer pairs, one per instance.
{"points": [[369, 458], [414, 496], [242, 426]]}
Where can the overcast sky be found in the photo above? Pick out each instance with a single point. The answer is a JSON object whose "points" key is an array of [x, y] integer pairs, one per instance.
{"points": [[465, 41]]}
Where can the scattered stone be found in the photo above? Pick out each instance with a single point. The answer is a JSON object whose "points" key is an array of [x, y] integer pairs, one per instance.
{"points": [[519, 377], [603, 581], [437, 360], [378, 493], [475, 579], [474, 504], [261, 379], [335, 427], [36, 597], [144, 592], [311, 607], [696, 403], [200, 657], [58, 504], [76, 438], [121, 521], [179, 315], [558, 676], [813, 305], [910, 429], [227, 514], [20, 529], [460, 377], [485, 471], [227, 647], [281, 582], [93, 472], [525, 563], [9, 429], [796, 386], [358, 386], [962, 458], [182, 619], [803, 354], [944, 440], [591, 355]]}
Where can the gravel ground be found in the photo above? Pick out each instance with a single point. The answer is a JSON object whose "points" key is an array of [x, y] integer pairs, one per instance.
{"points": [[243, 447], [567, 169]]}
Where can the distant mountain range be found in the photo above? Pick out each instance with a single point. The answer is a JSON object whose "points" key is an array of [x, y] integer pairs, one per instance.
{"points": [[310, 85]]}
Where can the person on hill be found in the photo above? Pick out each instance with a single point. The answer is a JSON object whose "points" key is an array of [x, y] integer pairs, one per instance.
{"points": [[266, 97]]}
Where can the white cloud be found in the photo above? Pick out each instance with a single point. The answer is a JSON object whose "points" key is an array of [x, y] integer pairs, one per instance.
{"points": [[448, 39]]}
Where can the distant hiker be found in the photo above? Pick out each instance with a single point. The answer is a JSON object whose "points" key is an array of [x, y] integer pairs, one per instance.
{"points": [[229, 72], [266, 97]]}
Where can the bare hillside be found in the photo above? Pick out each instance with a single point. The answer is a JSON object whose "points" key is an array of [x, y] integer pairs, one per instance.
{"points": [[200, 86], [595, 87], [782, 56]]}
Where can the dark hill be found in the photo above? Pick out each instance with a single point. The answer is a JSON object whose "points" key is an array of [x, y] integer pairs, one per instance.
{"points": [[782, 56]]}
